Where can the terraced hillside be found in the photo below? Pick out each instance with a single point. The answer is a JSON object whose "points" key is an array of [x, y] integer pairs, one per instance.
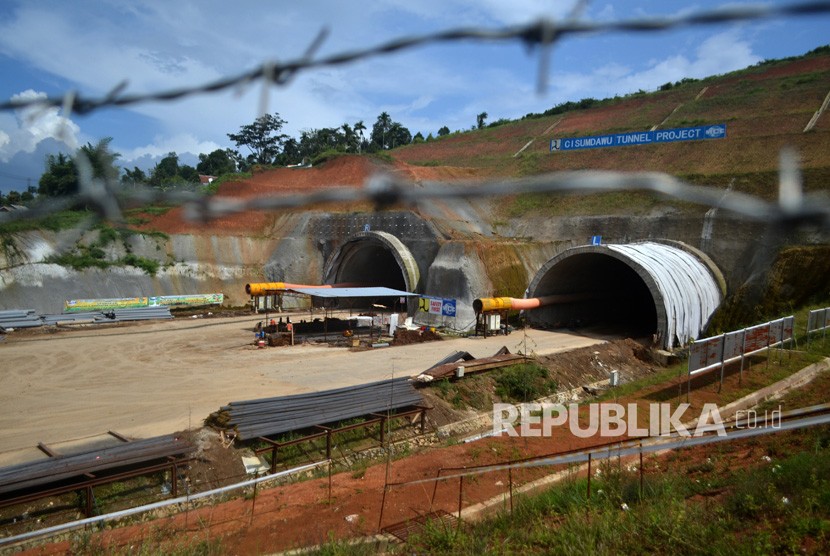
{"points": [[765, 107], [478, 246]]}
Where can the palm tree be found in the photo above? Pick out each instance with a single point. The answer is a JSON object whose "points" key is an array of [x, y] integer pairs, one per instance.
{"points": [[101, 159], [381, 127], [360, 127], [348, 135]]}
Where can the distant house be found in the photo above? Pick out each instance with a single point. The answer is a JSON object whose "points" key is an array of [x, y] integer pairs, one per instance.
{"points": [[10, 208], [204, 180]]}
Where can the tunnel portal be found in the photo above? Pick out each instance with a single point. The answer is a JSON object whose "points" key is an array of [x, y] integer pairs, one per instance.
{"points": [[374, 259], [635, 290]]}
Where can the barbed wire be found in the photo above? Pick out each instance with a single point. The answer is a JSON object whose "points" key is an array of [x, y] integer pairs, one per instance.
{"points": [[542, 32], [109, 198], [793, 208]]}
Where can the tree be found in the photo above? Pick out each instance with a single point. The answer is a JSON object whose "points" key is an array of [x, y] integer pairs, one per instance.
{"points": [[165, 172], [419, 138], [262, 138], [101, 159], [480, 119], [168, 173], [290, 153], [188, 174], [12, 198], [359, 128], [380, 129], [398, 135], [350, 141], [216, 163], [134, 176], [443, 131], [60, 178]]}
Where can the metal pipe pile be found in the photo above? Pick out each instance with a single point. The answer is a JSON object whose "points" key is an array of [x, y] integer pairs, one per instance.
{"points": [[20, 318], [29, 475], [269, 416], [26, 318]]}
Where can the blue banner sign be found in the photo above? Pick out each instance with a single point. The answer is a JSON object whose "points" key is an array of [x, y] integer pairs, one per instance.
{"points": [[437, 306], [715, 131], [448, 308]]}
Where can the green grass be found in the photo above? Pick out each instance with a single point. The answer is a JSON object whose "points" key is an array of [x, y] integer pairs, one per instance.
{"points": [[615, 202], [523, 383], [150, 266], [159, 542], [84, 257], [774, 508], [157, 210], [56, 222]]}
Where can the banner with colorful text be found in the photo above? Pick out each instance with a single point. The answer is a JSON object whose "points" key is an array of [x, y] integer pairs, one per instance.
{"points": [[715, 131]]}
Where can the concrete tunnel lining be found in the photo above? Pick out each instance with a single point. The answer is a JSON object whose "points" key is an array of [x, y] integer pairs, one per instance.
{"points": [[648, 287], [376, 259]]}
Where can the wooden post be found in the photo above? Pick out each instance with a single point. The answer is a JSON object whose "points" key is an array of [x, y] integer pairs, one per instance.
{"points": [[253, 501], [382, 506], [434, 490], [174, 482], [89, 495], [274, 459], [460, 492]]}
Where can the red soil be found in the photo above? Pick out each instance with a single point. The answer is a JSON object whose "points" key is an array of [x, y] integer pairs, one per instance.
{"points": [[341, 172]]}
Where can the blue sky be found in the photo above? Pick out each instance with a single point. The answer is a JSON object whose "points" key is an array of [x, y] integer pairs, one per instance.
{"points": [[48, 47]]}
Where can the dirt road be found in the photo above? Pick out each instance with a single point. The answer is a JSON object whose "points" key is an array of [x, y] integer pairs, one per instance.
{"points": [[68, 388]]}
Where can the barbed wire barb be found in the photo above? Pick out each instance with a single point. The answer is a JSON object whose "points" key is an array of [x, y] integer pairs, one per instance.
{"points": [[108, 199], [532, 33]]}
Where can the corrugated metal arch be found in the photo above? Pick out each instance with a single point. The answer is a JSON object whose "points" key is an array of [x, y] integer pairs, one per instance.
{"points": [[684, 288]]}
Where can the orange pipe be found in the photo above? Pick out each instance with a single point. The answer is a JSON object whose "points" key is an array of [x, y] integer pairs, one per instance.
{"points": [[265, 288], [486, 304]]}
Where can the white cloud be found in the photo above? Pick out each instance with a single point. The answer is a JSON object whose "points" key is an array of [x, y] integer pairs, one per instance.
{"points": [[161, 146], [718, 54], [160, 45], [33, 124]]}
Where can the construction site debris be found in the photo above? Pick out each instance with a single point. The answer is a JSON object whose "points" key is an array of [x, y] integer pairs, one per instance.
{"points": [[449, 366], [404, 337], [270, 416]]}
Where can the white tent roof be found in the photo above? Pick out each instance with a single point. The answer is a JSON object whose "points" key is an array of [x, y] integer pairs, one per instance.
{"points": [[353, 292]]}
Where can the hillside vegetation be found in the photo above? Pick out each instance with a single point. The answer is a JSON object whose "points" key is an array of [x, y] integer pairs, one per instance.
{"points": [[765, 107]]}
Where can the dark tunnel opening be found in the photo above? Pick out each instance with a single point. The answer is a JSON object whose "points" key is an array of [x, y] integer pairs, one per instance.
{"points": [[620, 302], [370, 263]]}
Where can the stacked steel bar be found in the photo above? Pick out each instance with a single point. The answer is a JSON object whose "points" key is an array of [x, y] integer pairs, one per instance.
{"points": [[104, 317], [269, 416], [37, 474], [20, 318]]}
